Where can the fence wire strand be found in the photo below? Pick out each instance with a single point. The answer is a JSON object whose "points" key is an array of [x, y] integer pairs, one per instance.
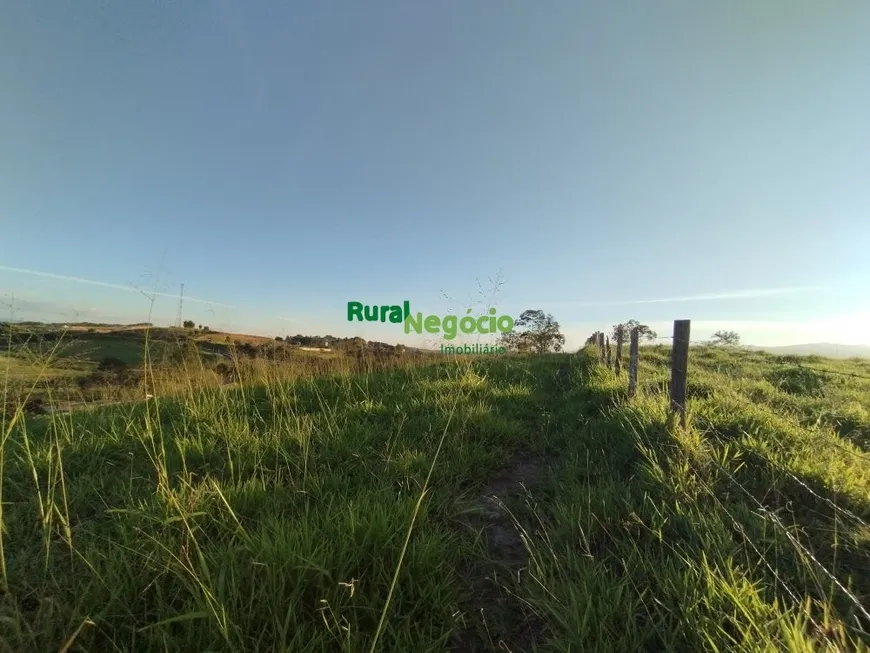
{"points": [[781, 364]]}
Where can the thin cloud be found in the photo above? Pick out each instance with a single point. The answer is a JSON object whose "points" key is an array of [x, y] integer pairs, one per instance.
{"points": [[104, 284], [39, 308], [733, 294]]}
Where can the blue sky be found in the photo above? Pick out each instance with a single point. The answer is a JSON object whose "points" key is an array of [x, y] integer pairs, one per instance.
{"points": [[606, 161]]}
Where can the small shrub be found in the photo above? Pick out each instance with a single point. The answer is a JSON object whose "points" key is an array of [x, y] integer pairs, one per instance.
{"points": [[34, 405], [848, 420], [226, 372], [111, 364], [760, 394], [798, 381]]}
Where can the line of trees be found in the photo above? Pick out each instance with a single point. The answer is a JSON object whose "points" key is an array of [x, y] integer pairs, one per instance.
{"points": [[190, 324]]}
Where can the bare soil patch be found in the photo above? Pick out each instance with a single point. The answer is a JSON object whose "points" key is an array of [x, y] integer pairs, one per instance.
{"points": [[495, 619]]}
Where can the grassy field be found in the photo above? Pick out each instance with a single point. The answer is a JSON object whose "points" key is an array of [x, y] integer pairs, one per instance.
{"points": [[70, 366], [25, 369], [509, 504], [81, 351]]}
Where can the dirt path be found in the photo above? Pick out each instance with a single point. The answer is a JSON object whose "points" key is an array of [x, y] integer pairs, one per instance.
{"points": [[495, 619]]}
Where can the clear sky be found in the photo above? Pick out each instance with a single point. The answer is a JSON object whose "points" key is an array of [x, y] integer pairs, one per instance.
{"points": [[606, 160]]}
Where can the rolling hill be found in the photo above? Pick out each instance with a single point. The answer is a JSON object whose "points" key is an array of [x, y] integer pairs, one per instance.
{"points": [[826, 349]]}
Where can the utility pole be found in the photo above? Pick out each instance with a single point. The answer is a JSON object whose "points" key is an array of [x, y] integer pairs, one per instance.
{"points": [[180, 302]]}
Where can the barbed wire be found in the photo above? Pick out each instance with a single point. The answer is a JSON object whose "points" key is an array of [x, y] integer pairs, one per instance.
{"points": [[732, 396], [691, 342], [857, 454], [764, 511], [714, 430], [769, 514], [777, 362]]}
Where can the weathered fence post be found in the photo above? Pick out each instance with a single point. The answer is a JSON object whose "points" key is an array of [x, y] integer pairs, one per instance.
{"points": [[632, 363], [619, 338], [601, 347], [680, 368], [607, 345]]}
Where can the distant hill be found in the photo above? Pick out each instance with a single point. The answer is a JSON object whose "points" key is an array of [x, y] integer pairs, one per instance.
{"points": [[826, 349]]}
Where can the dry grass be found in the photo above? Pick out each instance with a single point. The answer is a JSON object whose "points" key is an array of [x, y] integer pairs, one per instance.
{"points": [[221, 338]]}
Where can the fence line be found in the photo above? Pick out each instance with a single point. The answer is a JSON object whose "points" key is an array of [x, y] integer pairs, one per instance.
{"points": [[679, 361], [749, 404], [796, 364], [771, 515], [677, 389]]}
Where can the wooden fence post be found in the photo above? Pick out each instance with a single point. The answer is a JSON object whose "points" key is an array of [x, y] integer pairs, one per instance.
{"points": [[680, 368], [601, 347], [607, 345], [619, 338], [632, 363]]}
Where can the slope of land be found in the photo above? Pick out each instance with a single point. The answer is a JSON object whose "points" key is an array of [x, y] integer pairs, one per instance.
{"points": [[826, 349], [517, 504], [82, 364]]}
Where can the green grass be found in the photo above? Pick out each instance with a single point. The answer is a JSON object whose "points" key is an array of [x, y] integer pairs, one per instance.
{"points": [[131, 350], [82, 351], [337, 514], [70, 354], [27, 369], [722, 536]]}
